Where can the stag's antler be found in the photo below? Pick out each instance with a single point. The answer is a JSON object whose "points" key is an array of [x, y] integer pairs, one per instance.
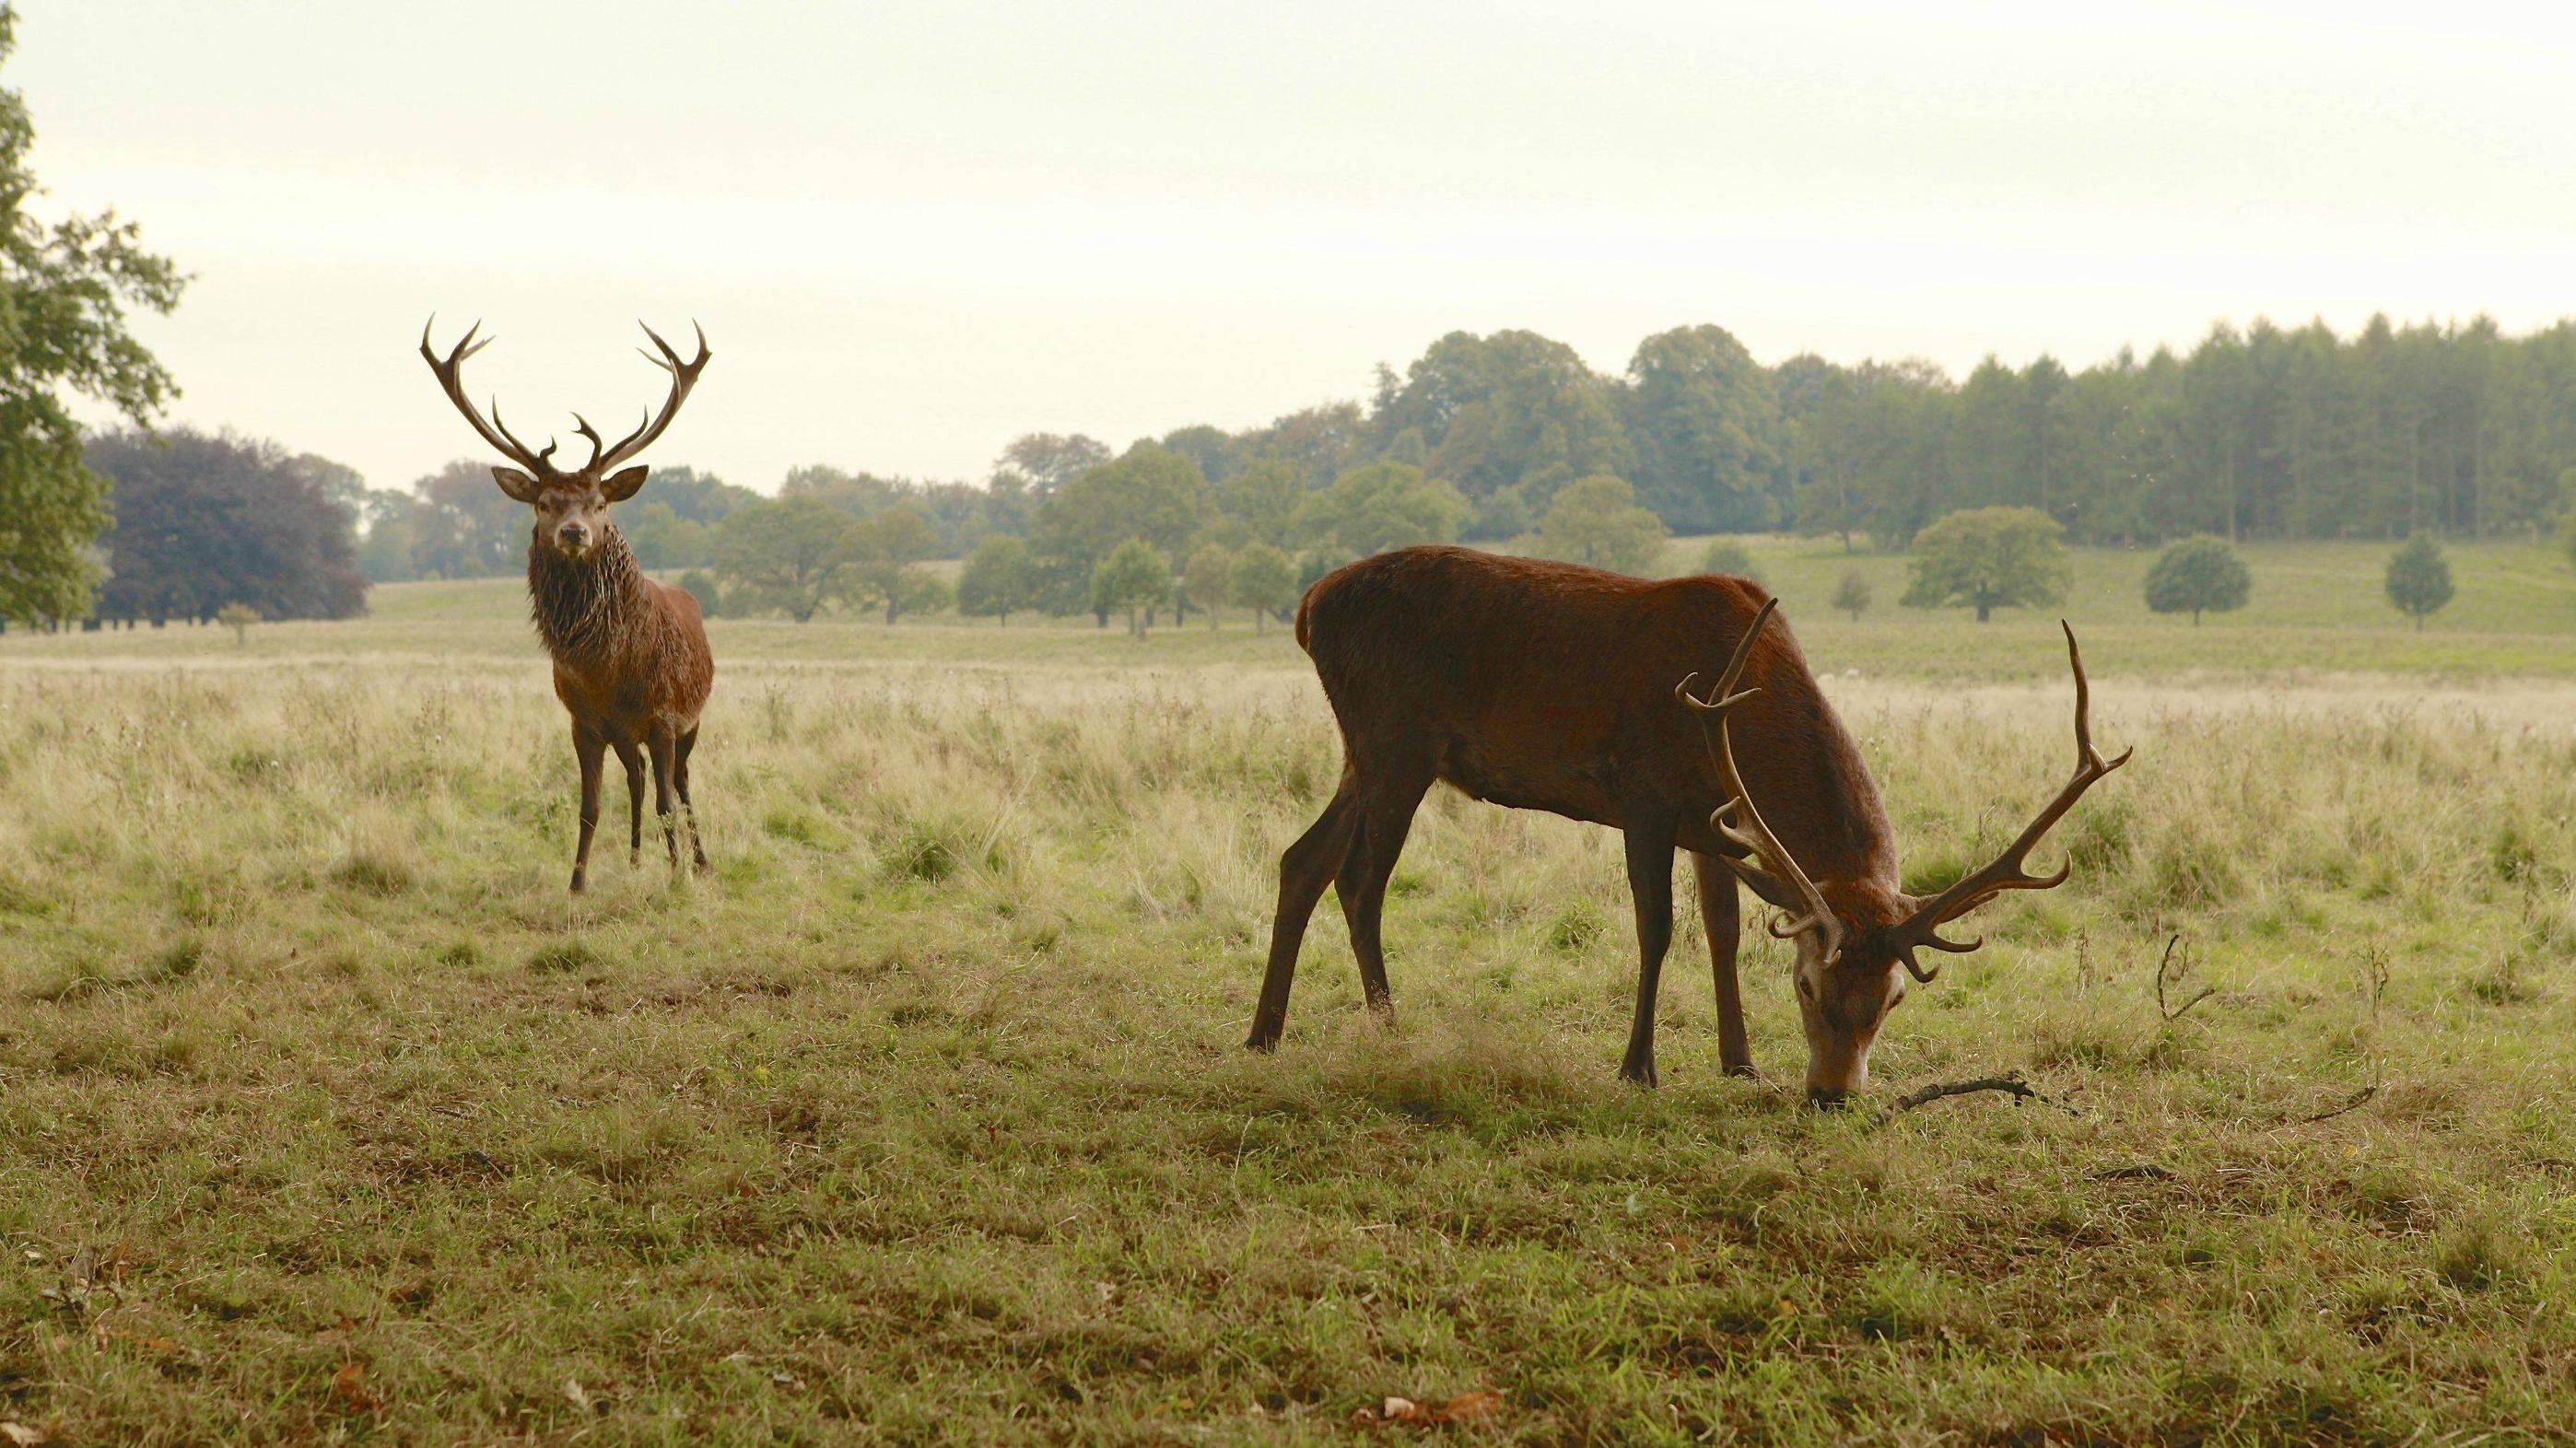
{"points": [[2010, 870], [1778, 876], [684, 375], [450, 373]]}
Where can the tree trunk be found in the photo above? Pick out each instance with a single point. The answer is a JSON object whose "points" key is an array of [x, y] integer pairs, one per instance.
{"points": [[1984, 610]]}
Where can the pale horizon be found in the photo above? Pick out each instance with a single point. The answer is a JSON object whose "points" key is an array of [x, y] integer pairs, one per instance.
{"points": [[914, 234]]}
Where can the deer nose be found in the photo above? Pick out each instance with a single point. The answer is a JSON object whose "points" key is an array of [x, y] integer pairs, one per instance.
{"points": [[573, 534], [1826, 1098]]}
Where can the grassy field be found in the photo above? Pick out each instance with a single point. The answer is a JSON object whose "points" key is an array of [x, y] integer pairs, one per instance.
{"points": [[2317, 610], [325, 1115]]}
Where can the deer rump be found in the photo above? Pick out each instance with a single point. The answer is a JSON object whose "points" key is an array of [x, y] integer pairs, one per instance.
{"points": [[1548, 686]]}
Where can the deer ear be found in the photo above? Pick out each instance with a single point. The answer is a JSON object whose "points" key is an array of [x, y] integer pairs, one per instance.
{"points": [[622, 485], [517, 484]]}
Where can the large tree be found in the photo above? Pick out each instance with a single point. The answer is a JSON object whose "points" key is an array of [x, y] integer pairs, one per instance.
{"points": [[202, 522], [2198, 575], [1596, 520], [1041, 462], [998, 579], [888, 543], [1378, 506], [1149, 493], [1712, 449], [2419, 579], [65, 289], [1990, 558], [1132, 576], [791, 556], [1514, 409], [1263, 580]]}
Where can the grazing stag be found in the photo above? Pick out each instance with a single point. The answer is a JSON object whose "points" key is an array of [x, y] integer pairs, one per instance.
{"points": [[630, 654], [1555, 687]]}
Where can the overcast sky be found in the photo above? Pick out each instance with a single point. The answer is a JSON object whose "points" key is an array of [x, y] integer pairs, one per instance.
{"points": [[915, 231]]}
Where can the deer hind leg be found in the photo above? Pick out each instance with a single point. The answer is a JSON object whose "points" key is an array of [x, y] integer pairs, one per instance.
{"points": [[1717, 910], [1304, 870], [1650, 884], [1386, 816], [591, 750], [664, 750], [680, 782], [633, 759]]}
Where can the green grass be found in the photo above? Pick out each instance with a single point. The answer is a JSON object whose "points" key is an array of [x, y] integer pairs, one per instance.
{"points": [[325, 1114], [2317, 609]]}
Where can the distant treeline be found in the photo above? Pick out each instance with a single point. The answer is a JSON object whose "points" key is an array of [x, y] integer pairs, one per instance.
{"points": [[2263, 432]]}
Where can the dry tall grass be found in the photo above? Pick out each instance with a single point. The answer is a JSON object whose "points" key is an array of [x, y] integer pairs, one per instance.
{"points": [[923, 1117]]}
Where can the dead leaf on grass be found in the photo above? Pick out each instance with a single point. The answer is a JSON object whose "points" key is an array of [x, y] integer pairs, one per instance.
{"points": [[350, 1383], [22, 1435], [104, 1334], [1405, 1411], [577, 1395]]}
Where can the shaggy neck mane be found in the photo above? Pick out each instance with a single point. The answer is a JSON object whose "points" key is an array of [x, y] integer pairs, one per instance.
{"points": [[586, 608]]}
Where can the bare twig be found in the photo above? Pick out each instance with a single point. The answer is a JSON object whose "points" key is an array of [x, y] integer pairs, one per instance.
{"points": [[2163, 967], [2359, 1099], [2143, 1171], [2011, 1082]]}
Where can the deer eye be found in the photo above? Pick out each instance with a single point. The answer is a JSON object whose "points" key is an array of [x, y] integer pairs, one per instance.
{"points": [[1806, 988]]}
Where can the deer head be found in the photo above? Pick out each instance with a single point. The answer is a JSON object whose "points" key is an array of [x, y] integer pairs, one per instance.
{"points": [[571, 506], [1851, 936]]}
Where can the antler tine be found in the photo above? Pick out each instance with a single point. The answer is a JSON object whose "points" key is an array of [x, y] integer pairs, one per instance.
{"points": [[541, 459], [1779, 873], [581, 428], [2011, 869], [684, 375], [450, 374]]}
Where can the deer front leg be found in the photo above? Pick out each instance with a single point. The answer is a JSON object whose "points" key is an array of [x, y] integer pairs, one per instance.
{"points": [[1717, 910], [592, 751], [633, 758], [688, 809], [660, 745], [1650, 884]]}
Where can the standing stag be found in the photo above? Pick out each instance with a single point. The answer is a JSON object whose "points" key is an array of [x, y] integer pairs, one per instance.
{"points": [[630, 654], [1551, 686]]}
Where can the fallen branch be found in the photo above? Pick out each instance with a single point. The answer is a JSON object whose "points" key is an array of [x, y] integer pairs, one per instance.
{"points": [[2011, 1082], [2145, 1171], [2175, 1013], [2359, 1099]]}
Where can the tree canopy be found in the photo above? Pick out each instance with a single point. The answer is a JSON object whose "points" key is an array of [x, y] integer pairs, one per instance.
{"points": [[1131, 577], [1990, 558], [205, 521], [1378, 506], [1704, 420], [2198, 575], [792, 556], [2419, 580], [1596, 520], [998, 579], [1264, 580], [65, 290]]}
